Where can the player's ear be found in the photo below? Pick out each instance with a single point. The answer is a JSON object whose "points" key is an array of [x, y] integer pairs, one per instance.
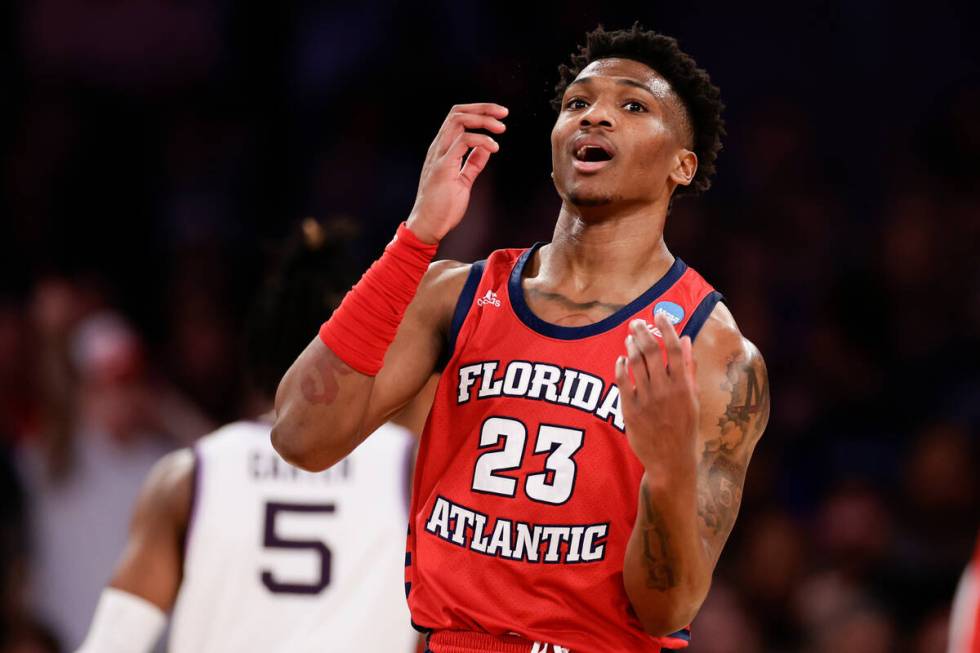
{"points": [[685, 165]]}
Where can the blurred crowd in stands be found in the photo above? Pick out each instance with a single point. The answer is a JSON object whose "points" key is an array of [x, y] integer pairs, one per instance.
{"points": [[158, 150]]}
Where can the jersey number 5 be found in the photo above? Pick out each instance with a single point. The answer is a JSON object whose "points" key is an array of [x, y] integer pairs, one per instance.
{"points": [[272, 540], [554, 485]]}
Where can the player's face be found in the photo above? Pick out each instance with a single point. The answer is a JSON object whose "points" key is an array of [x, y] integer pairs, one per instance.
{"points": [[618, 137]]}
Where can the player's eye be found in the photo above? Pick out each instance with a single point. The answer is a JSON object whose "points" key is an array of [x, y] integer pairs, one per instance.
{"points": [[635, 107], [575, 103]]}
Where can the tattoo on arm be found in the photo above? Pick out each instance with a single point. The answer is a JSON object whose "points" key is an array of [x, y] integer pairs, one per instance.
{"points": [[657, 554], [319, 385], [721, 471]]}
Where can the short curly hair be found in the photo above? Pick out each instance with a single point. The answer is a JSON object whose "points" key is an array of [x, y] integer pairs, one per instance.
{"points": [[701, 98]]}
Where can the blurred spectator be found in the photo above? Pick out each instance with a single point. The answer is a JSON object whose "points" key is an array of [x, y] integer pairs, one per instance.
{"points": [[120, 424], [853, 530], [769, 567], [724, 626], [17, 398], [862, 629], [30, 638]]}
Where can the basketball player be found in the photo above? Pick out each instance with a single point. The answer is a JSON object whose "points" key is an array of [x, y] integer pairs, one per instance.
{"points": [[249, 553], [583, 462]]}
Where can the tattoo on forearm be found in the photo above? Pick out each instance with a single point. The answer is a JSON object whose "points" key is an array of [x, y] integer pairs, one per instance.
{"points": [[657, 554], [719, 491], [721, 472], [320, 385]]}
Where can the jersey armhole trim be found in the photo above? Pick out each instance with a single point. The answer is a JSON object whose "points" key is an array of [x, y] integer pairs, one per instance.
{"points": [[684, 634], [462, 309], [700, 314], [195, 500]]}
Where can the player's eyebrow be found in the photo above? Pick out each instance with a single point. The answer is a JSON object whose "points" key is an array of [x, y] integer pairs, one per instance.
{"points": [[622, 81]]}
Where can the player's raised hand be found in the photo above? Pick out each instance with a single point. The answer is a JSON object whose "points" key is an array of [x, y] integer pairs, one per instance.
{"points": [[446, 180], [660, 403]]}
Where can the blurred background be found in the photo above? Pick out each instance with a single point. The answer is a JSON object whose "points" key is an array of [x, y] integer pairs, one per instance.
{"points": [[155, 151]]}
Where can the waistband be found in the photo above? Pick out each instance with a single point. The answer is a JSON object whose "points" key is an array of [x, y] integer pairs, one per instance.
{"points": [[461, 641]]}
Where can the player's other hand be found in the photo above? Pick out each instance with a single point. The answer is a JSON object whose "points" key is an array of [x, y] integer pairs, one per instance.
{"points": [[660, 402], [446, 180]]}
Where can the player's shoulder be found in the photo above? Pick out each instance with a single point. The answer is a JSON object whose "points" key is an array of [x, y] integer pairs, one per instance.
{"points": [[169, 487], [447, 276], [440, 288], [445, 280], [720, 342], [172, 469], [444, 276], [730, 366]]}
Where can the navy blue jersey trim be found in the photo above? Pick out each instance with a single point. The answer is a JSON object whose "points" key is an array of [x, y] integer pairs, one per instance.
{"points": [[462, 308], [526, 316], [683, 634], [701, 313]]}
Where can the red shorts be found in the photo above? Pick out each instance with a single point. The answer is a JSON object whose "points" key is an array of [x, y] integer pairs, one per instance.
{"points": [[458, 641]]}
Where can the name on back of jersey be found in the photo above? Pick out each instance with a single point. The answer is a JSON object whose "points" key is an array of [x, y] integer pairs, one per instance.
{"points": [[268, 466], [540, 381]]}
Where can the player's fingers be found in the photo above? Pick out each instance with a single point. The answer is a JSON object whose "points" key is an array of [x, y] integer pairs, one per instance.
{"points": [[638, 363], [468, 140], [458, 121], [475, 121], [690, 367], [672, 345], [475, 163], [650, 349], [623, 382], [486, 108]]}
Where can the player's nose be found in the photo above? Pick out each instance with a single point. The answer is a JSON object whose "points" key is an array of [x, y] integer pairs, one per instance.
{"points": [[597, 114]]}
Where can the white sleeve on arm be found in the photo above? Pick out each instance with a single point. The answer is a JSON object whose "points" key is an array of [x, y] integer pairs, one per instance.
{"points": [[123, 623]]}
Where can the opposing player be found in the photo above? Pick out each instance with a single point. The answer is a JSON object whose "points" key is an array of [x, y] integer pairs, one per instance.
{"points": [[583, 462], [250, 553]]}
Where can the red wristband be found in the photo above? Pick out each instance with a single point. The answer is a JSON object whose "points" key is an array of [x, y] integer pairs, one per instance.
{"points": [[364, 325]]}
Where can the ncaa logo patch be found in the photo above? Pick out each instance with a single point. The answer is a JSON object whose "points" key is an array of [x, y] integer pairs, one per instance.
{"points": [[673, 311]]}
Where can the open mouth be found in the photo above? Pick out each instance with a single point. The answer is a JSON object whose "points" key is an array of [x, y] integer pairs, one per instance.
{"points": [[592, 154]]}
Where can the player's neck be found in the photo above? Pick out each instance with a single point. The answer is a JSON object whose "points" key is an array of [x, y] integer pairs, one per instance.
{"points": [[624, 248]]}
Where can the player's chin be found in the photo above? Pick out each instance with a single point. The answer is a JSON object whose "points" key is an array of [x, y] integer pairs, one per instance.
{"points": [[583, 198]]}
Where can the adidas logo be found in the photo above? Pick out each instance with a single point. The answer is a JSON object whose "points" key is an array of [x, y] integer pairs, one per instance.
{"points": [[490, 299]]}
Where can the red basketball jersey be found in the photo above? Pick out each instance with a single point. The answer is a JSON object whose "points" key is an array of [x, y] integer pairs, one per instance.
{"points": [[525, 491]]}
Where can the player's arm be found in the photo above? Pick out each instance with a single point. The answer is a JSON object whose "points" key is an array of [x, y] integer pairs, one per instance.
{"points": [[325, 408], [132, 611], [734, 399], [694, 424], [383, 343]]}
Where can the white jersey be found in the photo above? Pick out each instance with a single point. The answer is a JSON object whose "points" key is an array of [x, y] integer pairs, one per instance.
{"points": [[278, 559]]}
